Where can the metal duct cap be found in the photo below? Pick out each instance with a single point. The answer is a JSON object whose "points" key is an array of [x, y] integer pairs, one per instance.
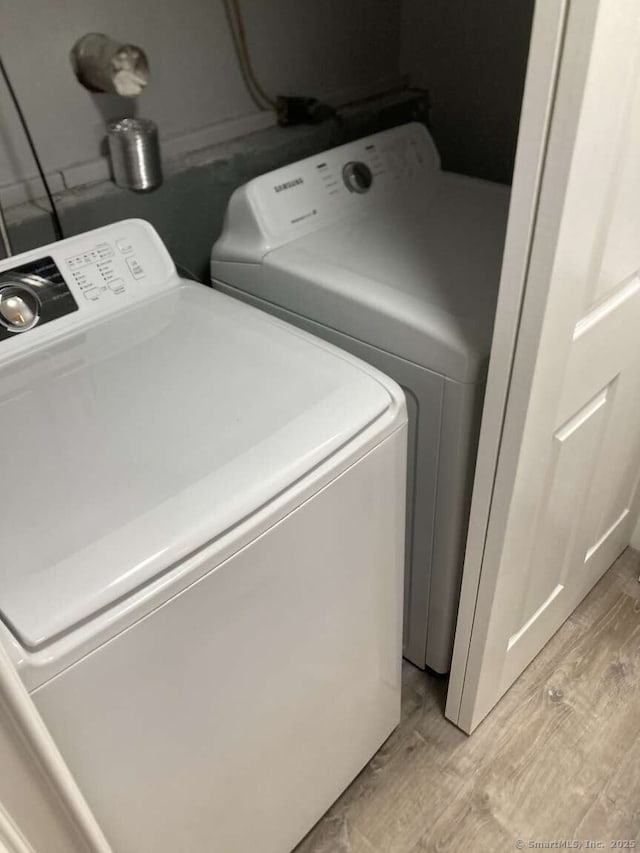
{"points": [[135, 153]]}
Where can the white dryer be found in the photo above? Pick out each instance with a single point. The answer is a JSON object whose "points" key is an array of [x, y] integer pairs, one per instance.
{"points": [[372, 247], [203, 525]]}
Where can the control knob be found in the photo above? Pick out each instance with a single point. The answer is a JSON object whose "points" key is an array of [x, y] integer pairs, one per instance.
{"points": [[357, 176], [19, 302]]}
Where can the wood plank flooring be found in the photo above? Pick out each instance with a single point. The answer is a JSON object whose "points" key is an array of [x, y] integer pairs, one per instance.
{"points": [[557, 759]]}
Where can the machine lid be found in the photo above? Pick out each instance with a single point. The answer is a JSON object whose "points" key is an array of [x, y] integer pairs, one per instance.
{"points": [[416, 276], [138, 440]]}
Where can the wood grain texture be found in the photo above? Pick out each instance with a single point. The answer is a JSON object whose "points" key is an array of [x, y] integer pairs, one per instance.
{"points": [[558, 758]]}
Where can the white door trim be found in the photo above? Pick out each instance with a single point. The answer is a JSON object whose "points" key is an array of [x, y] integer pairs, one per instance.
{"points": [[11, 839], [51, 804], [539, 94]]}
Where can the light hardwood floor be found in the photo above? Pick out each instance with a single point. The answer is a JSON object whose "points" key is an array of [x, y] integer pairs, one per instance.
{"points": [[557, 759]]}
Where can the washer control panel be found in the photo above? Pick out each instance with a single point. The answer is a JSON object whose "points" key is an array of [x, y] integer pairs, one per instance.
{"points": [[105, 268], [80, 278]]}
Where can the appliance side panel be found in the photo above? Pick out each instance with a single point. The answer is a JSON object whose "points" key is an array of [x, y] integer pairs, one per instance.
{"points": [[424, 392], [462, 412], [232, 716]]}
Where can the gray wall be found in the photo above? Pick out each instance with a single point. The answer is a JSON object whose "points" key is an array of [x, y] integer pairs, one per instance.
{"points": [[318, 47], [471, 55], [187, 210]]}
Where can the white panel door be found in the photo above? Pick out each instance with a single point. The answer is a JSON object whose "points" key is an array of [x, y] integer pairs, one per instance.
{"points": [[569, 452]]}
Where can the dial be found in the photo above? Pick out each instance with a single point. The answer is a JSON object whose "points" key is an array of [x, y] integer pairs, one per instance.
{"points": [[357, 177], [19, 303]]}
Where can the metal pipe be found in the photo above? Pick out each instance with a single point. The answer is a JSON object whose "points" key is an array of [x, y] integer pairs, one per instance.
{"points": [[4, 235], [103, 64]]}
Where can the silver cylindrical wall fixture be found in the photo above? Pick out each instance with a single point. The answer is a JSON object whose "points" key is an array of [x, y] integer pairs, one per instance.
{"points": [[103, 64], [135, 154]]}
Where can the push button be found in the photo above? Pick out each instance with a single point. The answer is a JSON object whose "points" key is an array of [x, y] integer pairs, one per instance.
{"points": [[135, 267], [124, 246]]}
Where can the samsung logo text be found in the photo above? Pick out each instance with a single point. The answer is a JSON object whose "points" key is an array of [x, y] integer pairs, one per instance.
{"points": [[288, 184]]}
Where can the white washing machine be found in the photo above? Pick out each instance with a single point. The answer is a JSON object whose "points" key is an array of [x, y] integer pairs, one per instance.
{"points": [[372, 247], [203, 524]]}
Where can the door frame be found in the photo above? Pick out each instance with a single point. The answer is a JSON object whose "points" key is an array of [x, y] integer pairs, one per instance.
{"points": [[41, 806], [516, 335]]}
